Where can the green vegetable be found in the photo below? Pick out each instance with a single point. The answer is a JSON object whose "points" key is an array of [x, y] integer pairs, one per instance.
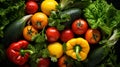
{"points": [[67, 4], [10, 10], [14, 31], [67, 11], [64, 18], [105, 17], [74, 13], [40, 46], [100, 54], [101, 15], [56, 19]]}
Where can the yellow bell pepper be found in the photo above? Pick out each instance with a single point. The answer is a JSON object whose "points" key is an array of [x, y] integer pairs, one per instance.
{"points": [[77, 48]]}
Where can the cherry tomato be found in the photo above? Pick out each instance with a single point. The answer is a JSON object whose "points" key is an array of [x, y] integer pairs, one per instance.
{"points": [[29, 32], [39, 20], [52, 34], [79, 26], [48, 5], [34, 0], [31, 0], [62, 62], [31, 7], [92, 36], [66, 35], [43, 62]]}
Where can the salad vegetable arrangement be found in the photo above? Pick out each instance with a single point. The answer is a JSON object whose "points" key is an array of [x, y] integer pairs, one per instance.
{"points": [[59, 33]]}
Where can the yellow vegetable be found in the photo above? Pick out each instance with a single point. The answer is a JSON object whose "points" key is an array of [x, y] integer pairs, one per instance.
{"points": [[55, 50], [48, 5], [77, 48]]}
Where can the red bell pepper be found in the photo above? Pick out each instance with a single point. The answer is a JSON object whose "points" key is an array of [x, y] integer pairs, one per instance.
{"points": [[17, 54]]}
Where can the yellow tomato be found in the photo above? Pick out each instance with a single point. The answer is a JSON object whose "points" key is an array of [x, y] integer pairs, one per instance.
{"points": [[55, 49], [48, 5]]}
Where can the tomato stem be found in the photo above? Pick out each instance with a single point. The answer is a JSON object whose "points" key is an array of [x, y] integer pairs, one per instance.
{"points": [[79, 24], [53, 58], [38, 24], [95, 36], [30, 31]]}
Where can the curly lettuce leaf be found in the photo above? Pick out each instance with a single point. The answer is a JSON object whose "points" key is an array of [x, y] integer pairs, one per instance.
{"points": [[10, 10], [102, 15]]}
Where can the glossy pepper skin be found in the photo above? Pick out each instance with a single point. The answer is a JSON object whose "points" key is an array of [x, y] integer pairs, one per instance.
{"points": [[14, 54], [77, 48]]}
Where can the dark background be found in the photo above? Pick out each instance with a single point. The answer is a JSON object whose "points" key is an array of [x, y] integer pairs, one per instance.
{"points": [[116, 3]]}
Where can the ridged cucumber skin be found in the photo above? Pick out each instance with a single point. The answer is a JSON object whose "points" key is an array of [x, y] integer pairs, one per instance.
{"points": [[75, 13], [13, 31]]}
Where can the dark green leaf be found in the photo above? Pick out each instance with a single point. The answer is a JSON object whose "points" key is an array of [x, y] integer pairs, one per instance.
{"points": [[45, 53], [60, 27], [64, 47], [40, 37]]}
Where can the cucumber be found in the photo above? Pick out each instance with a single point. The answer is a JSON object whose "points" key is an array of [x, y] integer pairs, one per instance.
{"points": [[75, 13], [14, 31], [97, 56]]}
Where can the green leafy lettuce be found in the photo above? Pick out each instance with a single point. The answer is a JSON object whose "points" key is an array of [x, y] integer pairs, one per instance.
{"points": [[105, 17], [102, 15], [10, 10]]}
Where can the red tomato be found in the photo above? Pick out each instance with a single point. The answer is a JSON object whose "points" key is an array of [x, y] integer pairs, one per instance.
{"points": [[92, 36], [43, 62], [52, 34], [79, 26], [66, 35], [31, 7], [34, 0], [31, 0]]}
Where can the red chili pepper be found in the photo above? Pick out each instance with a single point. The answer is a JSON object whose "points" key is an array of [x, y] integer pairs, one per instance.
{"points": [[17, 54]]}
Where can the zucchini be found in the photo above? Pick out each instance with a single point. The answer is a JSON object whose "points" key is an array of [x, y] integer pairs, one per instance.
{"points": [[97, 56], [14, 31], [75, 13]]}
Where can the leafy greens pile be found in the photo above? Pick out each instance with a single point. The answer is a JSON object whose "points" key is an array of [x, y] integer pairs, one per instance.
{"points": [[10, 10], [104, 16]]}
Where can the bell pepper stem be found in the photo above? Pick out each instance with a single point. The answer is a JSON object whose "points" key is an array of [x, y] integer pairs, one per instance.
{"points": [[26, 51], [77, 50]]}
